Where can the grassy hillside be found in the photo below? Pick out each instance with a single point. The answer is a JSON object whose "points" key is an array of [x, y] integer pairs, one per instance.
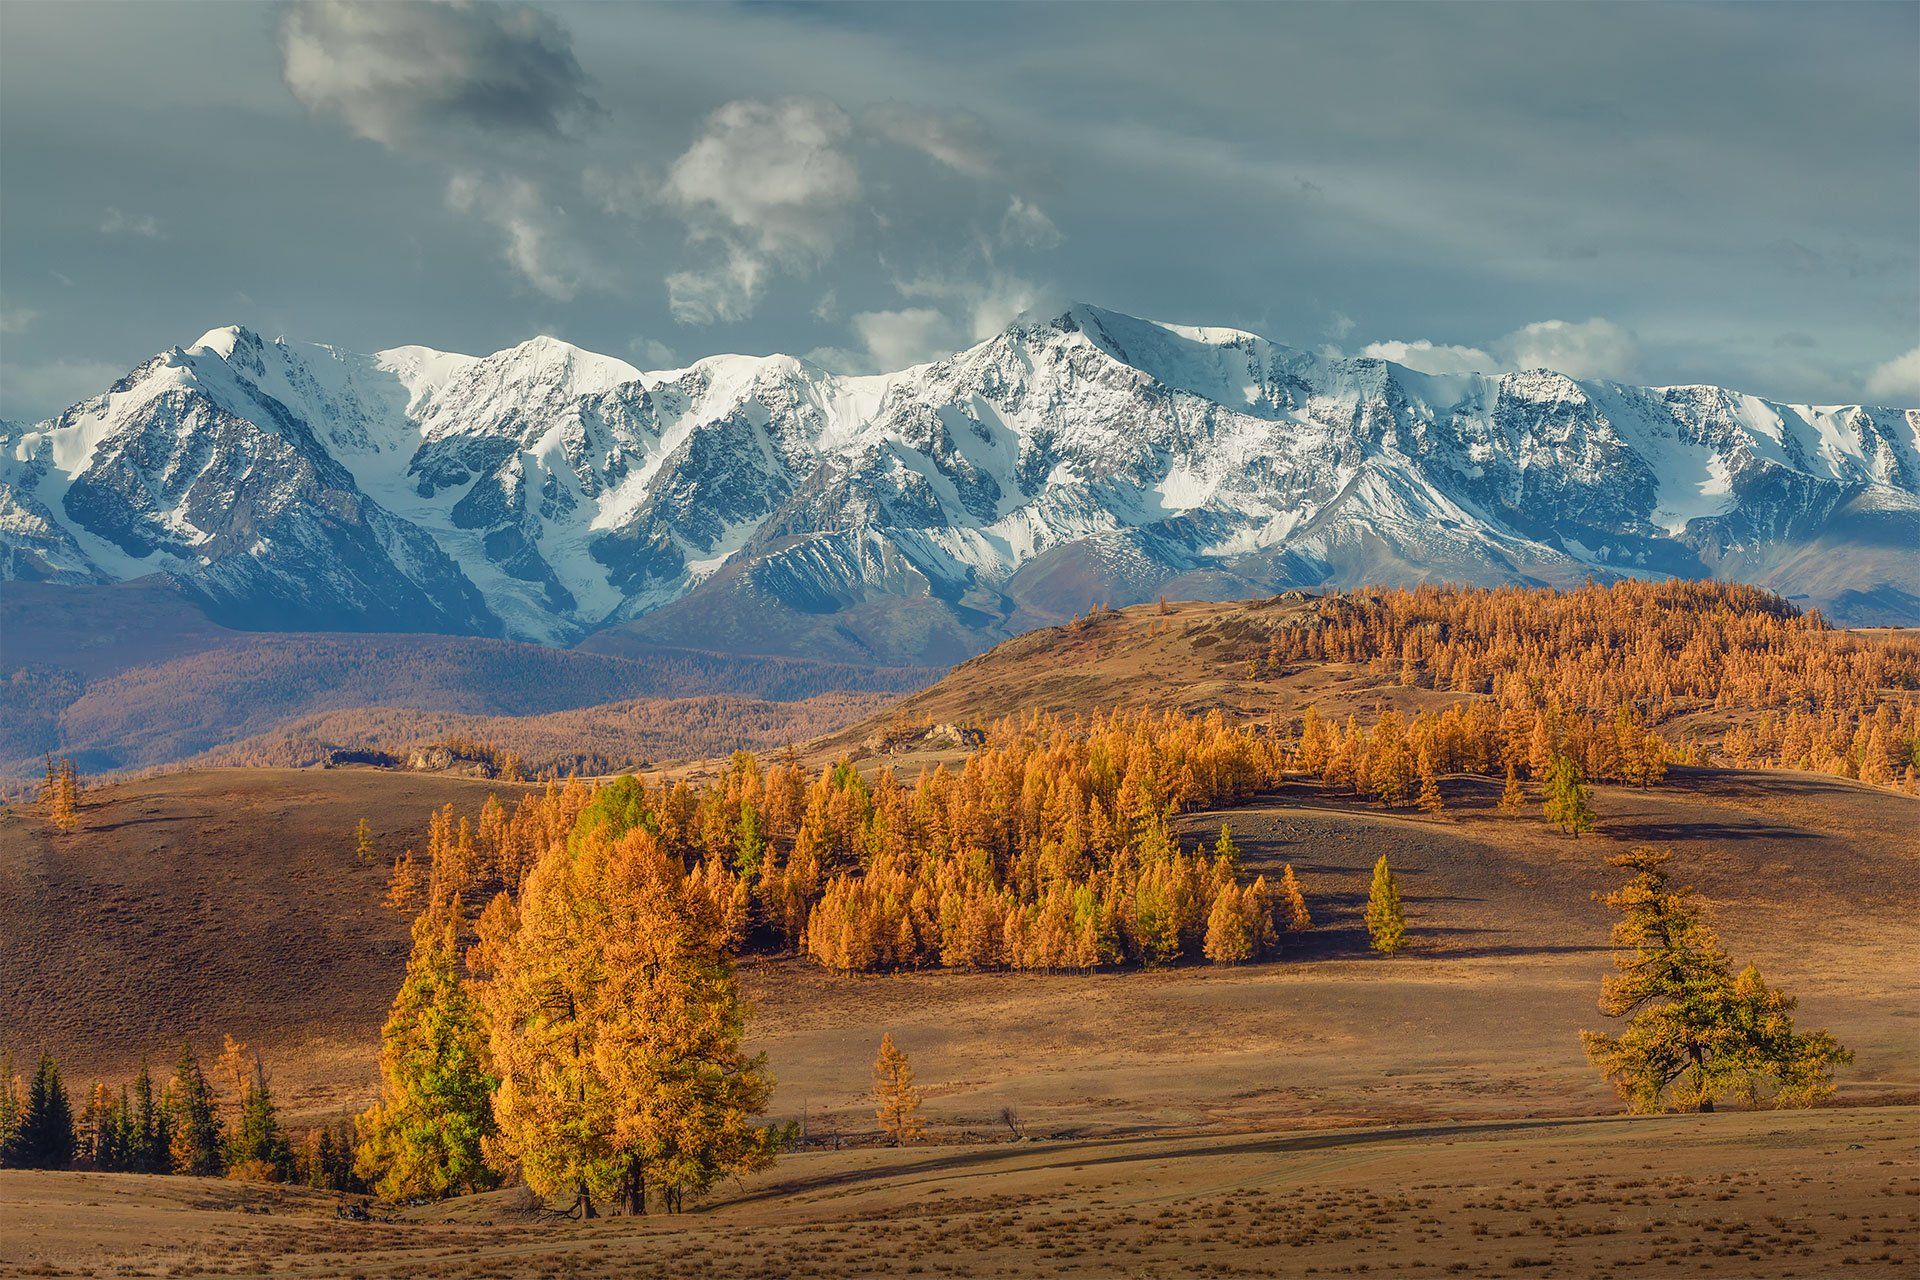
{"points": [[1728, 672], [1816, 1193], [238, 893]]}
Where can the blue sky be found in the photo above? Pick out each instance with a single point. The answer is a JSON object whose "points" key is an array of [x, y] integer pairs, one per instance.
{"points": [[1658, 193]]}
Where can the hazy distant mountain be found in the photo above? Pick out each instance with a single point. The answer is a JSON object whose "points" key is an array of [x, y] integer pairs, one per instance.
{"points": [[763, 504]]}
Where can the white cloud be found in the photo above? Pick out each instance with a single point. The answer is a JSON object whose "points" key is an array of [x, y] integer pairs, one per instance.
{"points": [[117, 223], [1587, 349], [895, 339], [1027, 225], [987, 303], [391, 71], [1339, 326], [767, 186], [17, 319], [653, 353], [1431, 357], [957, 141], [536, 245], [1897, 380]]}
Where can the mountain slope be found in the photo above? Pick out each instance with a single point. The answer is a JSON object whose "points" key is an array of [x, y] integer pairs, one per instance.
{"points": [[767, 505]]}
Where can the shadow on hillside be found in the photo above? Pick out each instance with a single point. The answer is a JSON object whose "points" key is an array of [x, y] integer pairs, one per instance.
{"points": [[1134, 1149], [1664, 831], [100, 828]]}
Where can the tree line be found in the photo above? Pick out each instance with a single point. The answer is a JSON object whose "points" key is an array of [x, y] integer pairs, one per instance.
{"points": [[181, 1126], [1052, 846], [1675, 653]]}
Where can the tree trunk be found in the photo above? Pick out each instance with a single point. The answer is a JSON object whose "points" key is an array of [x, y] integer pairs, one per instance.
{"points": [[586, 1203], [635, 1190]]}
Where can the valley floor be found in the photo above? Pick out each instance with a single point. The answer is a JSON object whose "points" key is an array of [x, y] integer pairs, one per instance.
{"points": [[1816, 1193], [1332, 1112]]}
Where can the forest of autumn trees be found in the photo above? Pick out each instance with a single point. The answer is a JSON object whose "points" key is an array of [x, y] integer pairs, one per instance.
{"points": [[1601, 662], [1050, 847]]}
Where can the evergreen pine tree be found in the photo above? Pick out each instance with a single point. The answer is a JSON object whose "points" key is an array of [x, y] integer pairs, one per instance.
{"points": [[1695, 1032], [258, 1151], [1226, 849], [194, 1142], [897, 1101], [1386, 920], [45, 1136], [423, 1137], [1567, 802], [147, 1128]]}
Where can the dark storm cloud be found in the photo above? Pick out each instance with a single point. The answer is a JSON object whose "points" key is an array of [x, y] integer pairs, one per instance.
{"points": [[1656, 191], [392, 70]]}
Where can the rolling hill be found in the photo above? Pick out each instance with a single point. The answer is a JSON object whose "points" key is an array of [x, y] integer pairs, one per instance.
{"points": [[132, 676]]}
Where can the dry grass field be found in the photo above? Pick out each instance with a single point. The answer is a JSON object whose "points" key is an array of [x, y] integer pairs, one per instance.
{"points": [[1328, 1113], [1811, 1194], [1192, 1121]]}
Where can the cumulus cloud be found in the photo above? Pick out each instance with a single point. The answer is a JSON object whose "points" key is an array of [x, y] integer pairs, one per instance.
{"points": [[984, 304], [766, 186], [895, 339], [1897, 380], [117, 223], [653, 353], [1027, 225], [393, 70], [1587, 349], [536, 243], [1431, 357], [959, 142]]}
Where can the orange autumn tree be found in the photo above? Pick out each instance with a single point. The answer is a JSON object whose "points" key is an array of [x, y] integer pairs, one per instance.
{"points": [[897, 1099], [615, 1026]]}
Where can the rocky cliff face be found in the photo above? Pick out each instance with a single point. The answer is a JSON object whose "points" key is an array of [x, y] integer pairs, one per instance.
{"points": [[764, 504]]}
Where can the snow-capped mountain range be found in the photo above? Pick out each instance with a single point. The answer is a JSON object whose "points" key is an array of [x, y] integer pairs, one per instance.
{"points": [[764, 504]]}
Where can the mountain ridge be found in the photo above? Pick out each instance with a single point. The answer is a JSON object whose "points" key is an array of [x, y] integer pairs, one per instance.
{"points": [[765, 504]]}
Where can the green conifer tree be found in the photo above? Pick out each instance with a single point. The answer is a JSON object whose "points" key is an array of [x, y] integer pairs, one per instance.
{"points": [[45, 1139], [1695, 1032], [258, 1151], [194, 1143], [423, 1137], [1567, 801]]}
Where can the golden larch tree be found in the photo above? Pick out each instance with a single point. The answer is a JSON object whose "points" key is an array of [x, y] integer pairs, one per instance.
{"points": [[1293, 903], [1386, 918], [896, 1099]]}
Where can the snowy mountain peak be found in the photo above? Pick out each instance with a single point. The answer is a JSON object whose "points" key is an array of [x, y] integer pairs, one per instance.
{"points": [[761, 502]]}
